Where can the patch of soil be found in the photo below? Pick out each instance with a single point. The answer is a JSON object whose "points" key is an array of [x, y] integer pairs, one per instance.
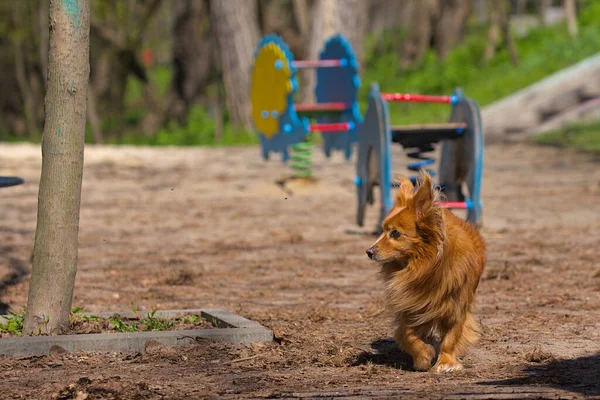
{"points": [[175, 228]]}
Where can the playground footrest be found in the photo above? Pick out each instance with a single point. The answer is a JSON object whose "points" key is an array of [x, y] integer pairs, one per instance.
{"points": [[418, 135]]}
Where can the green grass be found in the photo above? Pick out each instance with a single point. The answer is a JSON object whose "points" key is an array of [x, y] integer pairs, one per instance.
{"points": [[582, 136], [14, 323], [541, 53]]}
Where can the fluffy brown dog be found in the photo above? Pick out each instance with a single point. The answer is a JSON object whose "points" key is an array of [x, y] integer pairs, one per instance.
{"points": [[431, 261]]}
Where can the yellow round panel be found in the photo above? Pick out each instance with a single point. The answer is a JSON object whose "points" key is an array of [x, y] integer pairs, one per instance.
{"points": [[270, 88]]}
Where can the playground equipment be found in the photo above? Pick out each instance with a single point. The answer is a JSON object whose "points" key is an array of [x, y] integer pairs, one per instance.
{"points": [[280, 123], [461, 161], [7, 181]]}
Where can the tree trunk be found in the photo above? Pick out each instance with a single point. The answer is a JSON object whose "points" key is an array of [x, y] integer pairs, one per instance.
{"points": [[193, 51], [416, 45], [236, 27], [324, 23], [330, 17], [571, 14], [543, 5], [59, 197], [43, 23], [22, 72], [500, 25], [451, 25]]}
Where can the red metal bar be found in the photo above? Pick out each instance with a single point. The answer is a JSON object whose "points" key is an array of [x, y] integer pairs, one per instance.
{"points": [[416, 98], [317, 63], [322, 107], [331, 127], [453, 204]]}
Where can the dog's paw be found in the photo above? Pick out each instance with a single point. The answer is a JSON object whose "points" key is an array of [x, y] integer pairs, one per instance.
{"points": [[447, 364], [423, 361]]}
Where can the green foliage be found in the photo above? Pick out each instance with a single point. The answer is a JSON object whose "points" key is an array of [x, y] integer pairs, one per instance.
{"points": [[148, 323], [14, 323], [542, 52], [190, 319], [583, 136], [152, 323], [78, 315], [122, 326]]}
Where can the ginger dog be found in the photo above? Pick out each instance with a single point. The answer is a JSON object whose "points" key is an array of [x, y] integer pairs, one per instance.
{"points": [[431, 261]]}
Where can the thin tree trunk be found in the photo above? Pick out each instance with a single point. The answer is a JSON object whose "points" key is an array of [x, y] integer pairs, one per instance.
{"points": [[43, 22], [571, 14], [500, 25], [21, 72], [543, 5], [493, 32], [301, 13], [56, 236], [324, 23], [451, 25], [416, 45], [236, 27], [330, 17], [192, 53]]}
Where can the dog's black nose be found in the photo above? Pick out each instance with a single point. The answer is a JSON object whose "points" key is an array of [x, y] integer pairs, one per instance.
{"points": [[371, 252]]}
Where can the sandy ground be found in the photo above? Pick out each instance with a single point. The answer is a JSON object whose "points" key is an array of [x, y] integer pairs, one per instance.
{"points": [[190, 228]]}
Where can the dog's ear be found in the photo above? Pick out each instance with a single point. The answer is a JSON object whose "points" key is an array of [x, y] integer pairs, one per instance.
{"points": [[425, 195], [407, 189]]}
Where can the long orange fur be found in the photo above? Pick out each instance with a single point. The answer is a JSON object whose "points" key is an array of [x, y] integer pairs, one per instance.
{"points": [[431, 261]]}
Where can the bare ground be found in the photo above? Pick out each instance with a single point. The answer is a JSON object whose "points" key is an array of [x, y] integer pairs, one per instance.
{"points": [[191, 228]]}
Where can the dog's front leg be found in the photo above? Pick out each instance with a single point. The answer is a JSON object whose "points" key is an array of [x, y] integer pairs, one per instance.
{"points": [[448, 359], [421, 352]]}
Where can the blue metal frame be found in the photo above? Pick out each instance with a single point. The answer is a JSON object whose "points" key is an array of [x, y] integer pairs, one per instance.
{"points": [[339, 85], [374, 141]]}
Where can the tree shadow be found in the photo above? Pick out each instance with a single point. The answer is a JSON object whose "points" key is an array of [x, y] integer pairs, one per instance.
{"points": [[578, 375], [18, 270], [386, 353]]}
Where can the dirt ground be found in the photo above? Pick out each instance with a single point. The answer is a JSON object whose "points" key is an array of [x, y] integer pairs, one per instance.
{"points": [[191, 228]]}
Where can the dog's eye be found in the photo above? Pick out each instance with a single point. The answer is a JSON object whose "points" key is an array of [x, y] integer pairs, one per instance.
{"points": [[395, 234]]}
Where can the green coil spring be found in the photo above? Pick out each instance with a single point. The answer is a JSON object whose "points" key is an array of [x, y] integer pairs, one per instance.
{"points": [[302, 159]]}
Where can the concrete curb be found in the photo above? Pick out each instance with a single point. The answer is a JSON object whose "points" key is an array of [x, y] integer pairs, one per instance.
{"points": [[229, 328]]}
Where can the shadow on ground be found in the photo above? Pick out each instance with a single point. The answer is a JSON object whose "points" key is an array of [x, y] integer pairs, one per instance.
{"points": [[386, 353], [17, 271], [578, 375]]}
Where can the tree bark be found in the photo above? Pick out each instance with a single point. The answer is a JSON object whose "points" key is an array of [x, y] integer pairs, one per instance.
{"points": [[23, 72], [571, 14], [330, 17], [451, 25], [543, 5], [193, 50], [500, 26], [236, 28], [59, 197], [43, 23], [416, 45]]}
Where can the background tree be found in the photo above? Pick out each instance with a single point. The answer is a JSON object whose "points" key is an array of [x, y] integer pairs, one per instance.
{"points": [[500, 26], [329, 17], [56, 236], [236, 28], [571, 14]]}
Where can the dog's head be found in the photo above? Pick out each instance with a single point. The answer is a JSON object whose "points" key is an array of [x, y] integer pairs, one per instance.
{"points": [[414, 223]]}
